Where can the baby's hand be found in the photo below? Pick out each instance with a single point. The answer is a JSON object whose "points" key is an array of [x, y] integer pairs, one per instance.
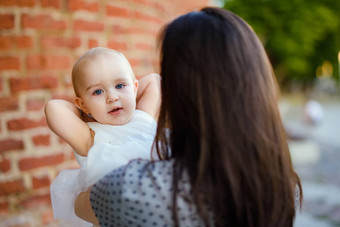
{"points": [[68, 122], [149, 94]]}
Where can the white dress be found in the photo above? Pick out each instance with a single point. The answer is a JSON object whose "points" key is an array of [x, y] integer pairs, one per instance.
{"points": [[115, 147]]}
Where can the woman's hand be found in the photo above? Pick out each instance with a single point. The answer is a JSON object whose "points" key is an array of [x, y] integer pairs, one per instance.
{"points": [[83, 208]]}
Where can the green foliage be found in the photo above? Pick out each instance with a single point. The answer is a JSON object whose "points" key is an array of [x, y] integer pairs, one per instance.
{"points": [[298, 35]]}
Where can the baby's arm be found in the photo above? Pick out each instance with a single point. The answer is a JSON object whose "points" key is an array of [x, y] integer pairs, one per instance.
{"points": [[63, 118], [149, 94]]}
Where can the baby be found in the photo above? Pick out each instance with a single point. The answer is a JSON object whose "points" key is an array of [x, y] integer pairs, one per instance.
{"points": [[122, 112]]}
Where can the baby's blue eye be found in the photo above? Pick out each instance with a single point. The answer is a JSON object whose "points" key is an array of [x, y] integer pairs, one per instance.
{"points": [[97, 92], [119, 86]]}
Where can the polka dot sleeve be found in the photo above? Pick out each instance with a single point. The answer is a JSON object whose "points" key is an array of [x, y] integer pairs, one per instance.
{"points": [[140, 194], [103, 197]]}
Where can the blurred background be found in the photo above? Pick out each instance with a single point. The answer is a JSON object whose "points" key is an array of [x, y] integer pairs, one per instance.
{"points": [[40, 40], [302, 39]]}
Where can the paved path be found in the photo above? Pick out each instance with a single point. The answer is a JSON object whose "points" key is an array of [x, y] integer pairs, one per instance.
{"points": [[316, 158]]}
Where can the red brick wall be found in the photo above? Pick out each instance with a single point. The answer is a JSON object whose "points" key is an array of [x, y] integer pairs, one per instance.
{"points": [[39, 42]]}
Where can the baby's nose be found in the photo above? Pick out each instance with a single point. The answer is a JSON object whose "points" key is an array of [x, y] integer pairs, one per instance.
{"points": [[111, 96]]}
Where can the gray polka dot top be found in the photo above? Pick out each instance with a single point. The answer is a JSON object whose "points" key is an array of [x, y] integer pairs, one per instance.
{"points": [[140, 194]]}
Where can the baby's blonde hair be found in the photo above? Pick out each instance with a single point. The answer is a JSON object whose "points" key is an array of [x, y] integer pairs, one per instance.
{"points": [[92, 54]]}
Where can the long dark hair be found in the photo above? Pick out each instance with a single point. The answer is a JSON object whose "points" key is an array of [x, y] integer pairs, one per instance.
{"points": [[219, 102]]}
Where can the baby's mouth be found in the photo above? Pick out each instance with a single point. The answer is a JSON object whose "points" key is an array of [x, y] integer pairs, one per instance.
{"points": [[116, 110]]}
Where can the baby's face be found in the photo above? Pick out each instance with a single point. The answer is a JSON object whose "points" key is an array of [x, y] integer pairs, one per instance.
{"points": [[107, 89]]}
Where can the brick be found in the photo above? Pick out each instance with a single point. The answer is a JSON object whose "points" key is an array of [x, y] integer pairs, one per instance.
{"points": [[25, 123], [5, 165], [61, 141], [117, 11], [5, 42], [145, 2], [93, 43], [51, 62], [146, 17], [138, 30], [35, 105], [6, 21], [134, 62], [40, 182], [74, 5], [11, 144], [32, 163], [36, 201], [160, 6], [11, 187], [8, 104], [143, 46], [64, 97], [47, 217], [90, 26], [60, 42], [20, 3], [23, 42], [51, 3], [4, 207], [117, 29], [33, 83], [156, 5], [120, 46], [42, 21], [9, 63], [41, 140]]}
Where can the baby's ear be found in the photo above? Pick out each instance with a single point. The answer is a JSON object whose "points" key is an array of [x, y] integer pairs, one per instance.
{"points": [[135, 85], [81, 105]]}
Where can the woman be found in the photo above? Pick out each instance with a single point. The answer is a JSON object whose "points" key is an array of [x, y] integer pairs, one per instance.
{"points": [[222, 145]]}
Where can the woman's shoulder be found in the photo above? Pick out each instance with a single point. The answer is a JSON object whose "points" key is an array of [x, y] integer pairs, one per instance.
{"points": [[139, 178], [141, 169]]}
